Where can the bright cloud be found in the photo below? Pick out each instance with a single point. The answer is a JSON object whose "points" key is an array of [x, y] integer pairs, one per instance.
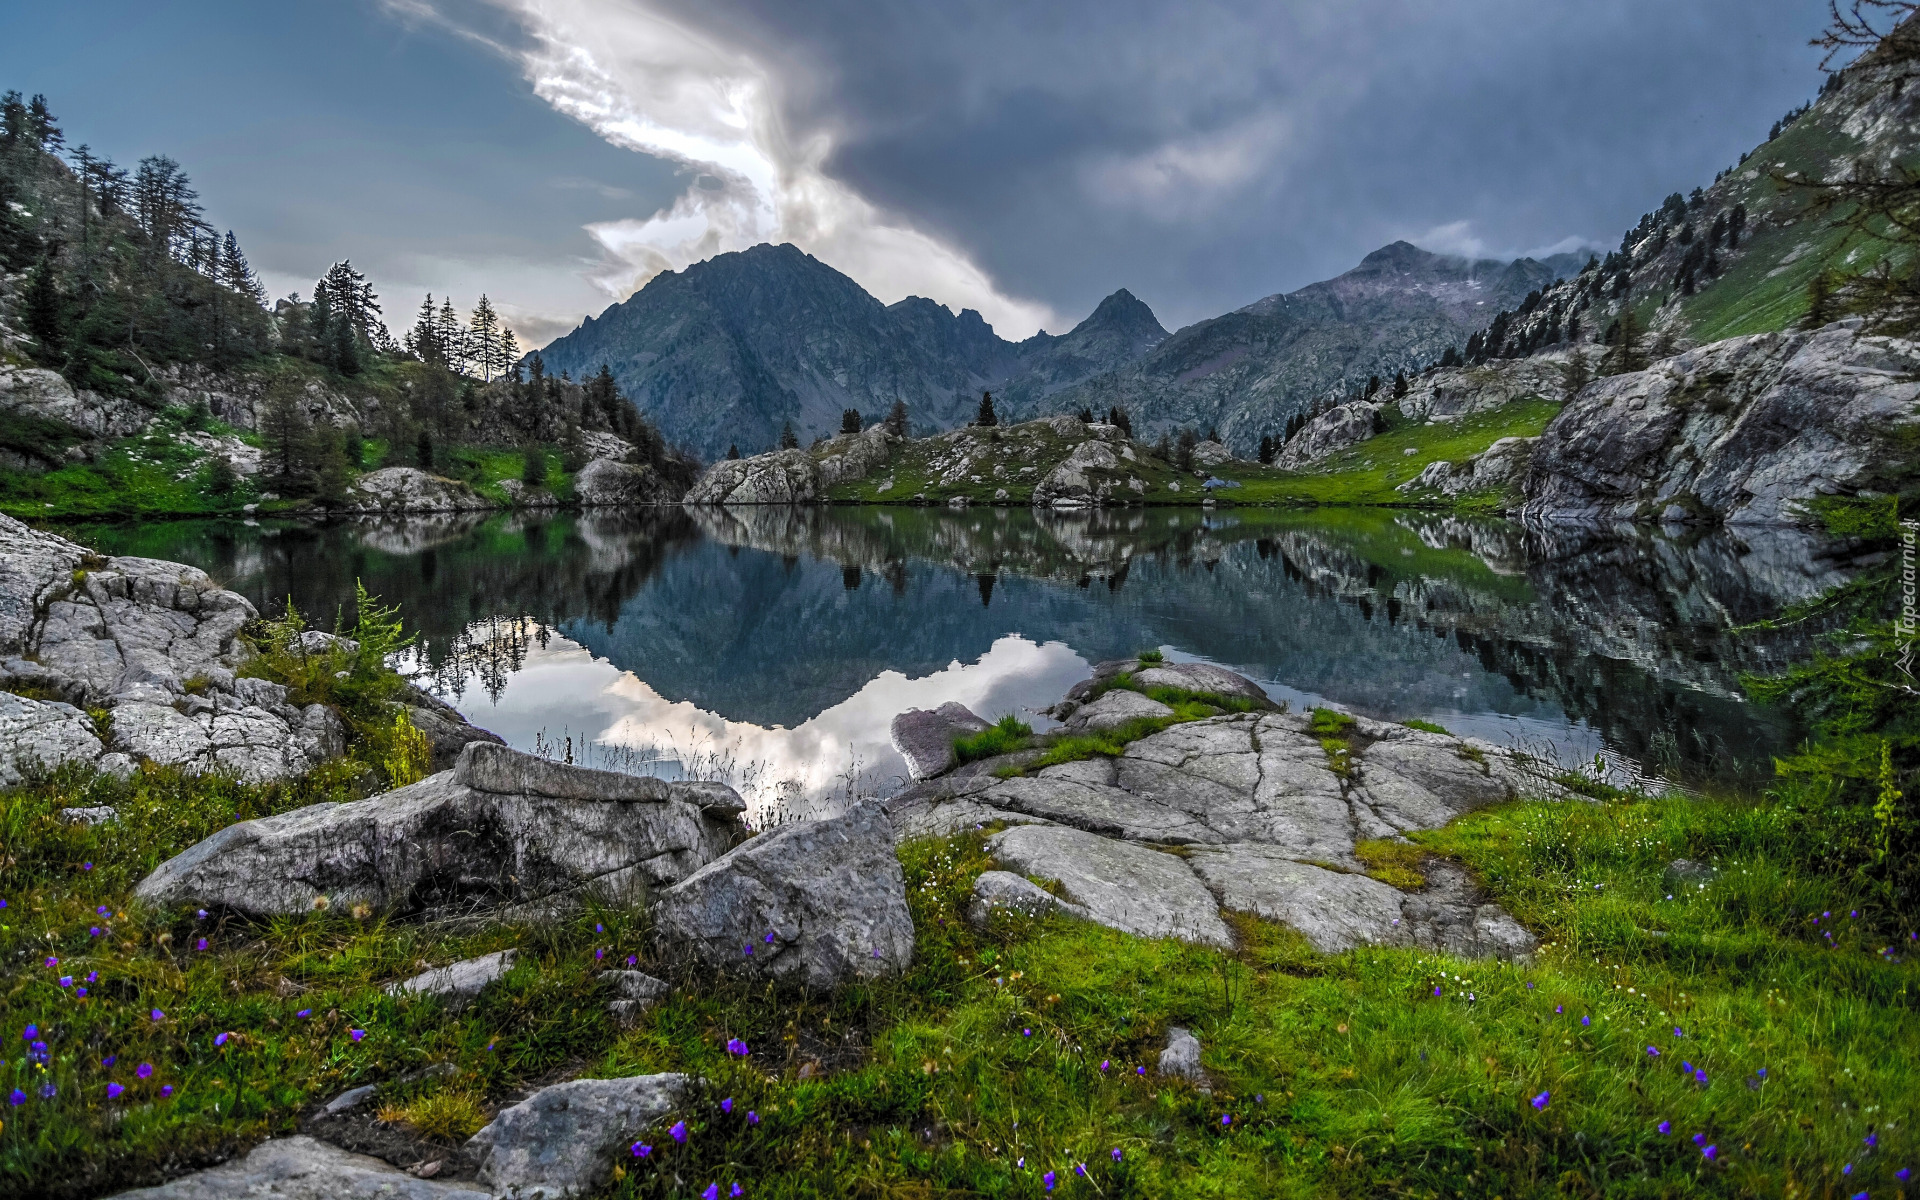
{"points": [[644, 82]]}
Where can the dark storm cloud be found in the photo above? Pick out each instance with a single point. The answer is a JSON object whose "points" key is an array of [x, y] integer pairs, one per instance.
{"points": [[1204, 155]]}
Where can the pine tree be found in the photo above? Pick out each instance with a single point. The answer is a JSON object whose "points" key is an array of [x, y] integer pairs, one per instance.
{"points": [[1626, 354], [1575, 375], [850, 420], [897, 419], [1183, 450], [453, 339], [45, 315], [986, 415], [1400, 385], [733, 451], [1266, 448], [573, 447], [1086, 415], [1819, 300], [788, 439], [423, 449], [286, 433], [484, 339], [220, 476], [510, 355], [330, 478], [355, 446], [423, 340], [533, 468]]}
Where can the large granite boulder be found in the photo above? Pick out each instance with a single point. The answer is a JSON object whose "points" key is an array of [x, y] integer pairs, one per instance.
{"points": [[1338, 428], [817, 903], [1088, 475], [300, 1168], [783, 477], [925, 737], [607, 483], [37, 394], [409, 489], [1742, 431], [502, 828], [562, 1141]]}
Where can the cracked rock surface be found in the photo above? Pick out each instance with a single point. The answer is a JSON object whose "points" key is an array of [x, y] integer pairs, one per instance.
{"points": [[300, 1168], [502, 829], [1247, 812], [156, 644]]}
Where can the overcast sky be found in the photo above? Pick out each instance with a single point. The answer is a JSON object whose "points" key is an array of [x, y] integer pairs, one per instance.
{"points": [[1023, 159]]}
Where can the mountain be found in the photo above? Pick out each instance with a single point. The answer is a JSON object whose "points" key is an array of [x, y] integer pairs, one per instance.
{"points": [[1246, 372], [729, 350]]}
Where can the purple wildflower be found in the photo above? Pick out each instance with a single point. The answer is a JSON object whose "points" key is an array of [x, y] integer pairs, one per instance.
{"points": [[92, 976], [1226, 1120], [1080, 1169], [1710, 1153], [736, 1047], [52, 962], [109, 1060], [1902, 1174], [1699, 1139], [31, 1032], [356, 1034], [1847, 1170], [1762, 1072], [1872, 1140], [48, 1091], [769, 937], [114, 1090], [1699, 1076], [101, 911], [1436, 990], [201, 944], [1653, 1052], [143, 1071], [93, 931], [1559, 1008], [599, 954], [201, 915], [747, 950], [157, 1015], [599, 928], [1026, 1033], [1048, 1180], [16, 1098], [1104, 1064], [737, 1191], [1664, 1127], [1116, 1154], [679, 1132], [166, 1090], [753, 1118], [1540, 1102], [632, 959], [66, 981], [220, 1039], [303, 1014], [1139, 1070], [712, 1192], [1586, 1020], [726, 1106]]}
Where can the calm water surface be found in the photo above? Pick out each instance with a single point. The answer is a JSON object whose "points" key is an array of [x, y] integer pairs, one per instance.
{"points": [[773, 646]]}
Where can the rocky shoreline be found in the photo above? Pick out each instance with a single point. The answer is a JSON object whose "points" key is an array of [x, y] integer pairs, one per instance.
{"points": [[1250, 810]]}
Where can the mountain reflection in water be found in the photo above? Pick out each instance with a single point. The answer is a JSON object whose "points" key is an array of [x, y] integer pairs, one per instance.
{"points": [[780, 641]]}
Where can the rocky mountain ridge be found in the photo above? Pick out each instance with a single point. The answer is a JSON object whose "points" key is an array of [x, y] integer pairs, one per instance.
{"points": [[730, 350]]}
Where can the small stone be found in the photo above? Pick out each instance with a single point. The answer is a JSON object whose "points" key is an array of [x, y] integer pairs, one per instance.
{"points": [[350, 1099], [1181, 1058], [457, 983], [997, 890], [563, 1140], [1684, 874], [98, 815]]}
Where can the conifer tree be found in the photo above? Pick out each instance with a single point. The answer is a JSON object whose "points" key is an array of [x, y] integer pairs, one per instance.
{"points": [[1575, 375], [897, 419], [789, 440], [510, 355], [45, 315], [286, 433], [533, 469], [986, 415], [849, 420], [453, 339], [1626, 354], [733, 450], [484, 339]]}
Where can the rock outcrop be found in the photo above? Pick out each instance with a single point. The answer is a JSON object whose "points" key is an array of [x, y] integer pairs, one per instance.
{"points": [[1741, 431], [409, 489], [1250, 812], [1332, 431], [34, 395], [606, 482], [818, 903], [562, 1141], [156, 644], [925, 737], [300, 1168], [1499, 468], [793, 476], [502, 828], [43, 733]]}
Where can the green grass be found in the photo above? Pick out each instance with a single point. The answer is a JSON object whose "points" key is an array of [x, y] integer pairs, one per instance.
{"points": [[152, 474], [1343, 1075], [1004, 736], [1427, 727], [1369, 472]]}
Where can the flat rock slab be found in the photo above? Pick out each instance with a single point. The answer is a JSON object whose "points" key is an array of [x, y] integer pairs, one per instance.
{"points": [[820, 902], [457, 983], [563, 1140], [301, 1168], [1200, 677], [1114, 709], [443, 846], [1120, 884], [1335, 911], [925, 737]]}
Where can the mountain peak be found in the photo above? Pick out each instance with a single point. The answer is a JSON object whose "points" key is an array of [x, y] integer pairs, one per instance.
{"points": [[1125, 313]]}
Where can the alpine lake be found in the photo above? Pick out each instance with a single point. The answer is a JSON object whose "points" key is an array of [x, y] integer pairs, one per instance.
{"points": [[771, 647]]}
